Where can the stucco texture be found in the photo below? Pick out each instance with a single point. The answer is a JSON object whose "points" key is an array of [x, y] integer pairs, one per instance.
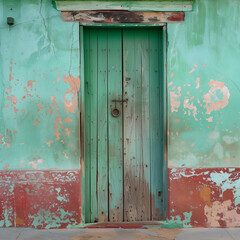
{"points": [[203, 86], [39, 82]]}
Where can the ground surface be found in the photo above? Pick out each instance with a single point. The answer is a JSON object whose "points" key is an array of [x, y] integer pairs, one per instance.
{"points": [[119, 234]]}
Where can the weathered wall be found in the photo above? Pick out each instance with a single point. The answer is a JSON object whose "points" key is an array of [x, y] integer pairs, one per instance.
{"points": [[39, 117], [203, 84]]}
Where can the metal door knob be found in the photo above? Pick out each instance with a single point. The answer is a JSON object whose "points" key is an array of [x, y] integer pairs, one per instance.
{"points": [[115, 112]]}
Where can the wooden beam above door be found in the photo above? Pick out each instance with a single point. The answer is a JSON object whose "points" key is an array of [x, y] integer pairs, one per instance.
{"points": [[154, 5], [122, 17]]}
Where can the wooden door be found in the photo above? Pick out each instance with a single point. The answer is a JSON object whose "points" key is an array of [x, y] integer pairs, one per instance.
{"points": [[123, 152]]}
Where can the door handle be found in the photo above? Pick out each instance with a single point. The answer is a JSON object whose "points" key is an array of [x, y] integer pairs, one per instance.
{"points": [[122, 100]]}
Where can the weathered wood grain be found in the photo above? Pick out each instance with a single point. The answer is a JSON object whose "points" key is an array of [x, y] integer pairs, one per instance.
{"points": [[87, 129], [136, 126], [122, 17], [124, 154], [93, 124], [155, 73], [115, 125], [102, 117]]}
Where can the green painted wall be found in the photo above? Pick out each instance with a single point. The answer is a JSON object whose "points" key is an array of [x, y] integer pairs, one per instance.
{"points": [[204, 117], [39, 81], [37, 104]]}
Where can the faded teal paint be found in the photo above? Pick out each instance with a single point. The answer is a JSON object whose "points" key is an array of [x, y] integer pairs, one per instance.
{"points": [[224, 181], [49, 218], [6, 221], [141, 55], [36, 53], [201, 49], [179, 221]]}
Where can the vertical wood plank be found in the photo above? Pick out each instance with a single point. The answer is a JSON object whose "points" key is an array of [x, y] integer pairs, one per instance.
{"points": [[136, 176], [144, 138], [155, 125], [102, 127], [87, 129], [93, 86], [164, 100], [130, 212], [115, 126]]}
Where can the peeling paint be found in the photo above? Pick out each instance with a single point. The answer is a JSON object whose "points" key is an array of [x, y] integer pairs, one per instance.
{"points": [[71, 96], [217, 97], [175, 100]]}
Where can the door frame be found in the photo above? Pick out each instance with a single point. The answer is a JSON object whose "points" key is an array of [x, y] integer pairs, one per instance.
{"points": [[163, 26]]}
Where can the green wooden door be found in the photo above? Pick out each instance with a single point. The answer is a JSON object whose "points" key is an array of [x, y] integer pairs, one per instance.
{"points": [[123, 154]]}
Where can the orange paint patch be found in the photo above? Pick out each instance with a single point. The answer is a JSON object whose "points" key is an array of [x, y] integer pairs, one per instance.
{"points": [[57, 134], [197, 82], [39, 107], [192, 70], [217, 97], [186, 104], [23, 110], [56, 120], [15, 110], [67, 132], [71, 96], [10, 74], [13, 99], [54, 103], [210, 119], [15, 131], [19, 221], [65, 155], [195, 65], [177, 120], [175, 100], [8, 144], [172, 75], [51, 111], [30, 83], [171, 83], [6, 166], [36, 122], [49, 143], [68, 119], [205, 194], [9, 90]]}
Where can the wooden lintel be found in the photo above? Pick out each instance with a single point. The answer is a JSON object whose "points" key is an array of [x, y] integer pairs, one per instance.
{"points": [[129, 5], [122, 17]]}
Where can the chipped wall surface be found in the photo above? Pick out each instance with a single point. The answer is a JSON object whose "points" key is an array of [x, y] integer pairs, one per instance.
{"points": [[204, 110], [39, 72], [40, 180], [39, 117], [203, 85]]}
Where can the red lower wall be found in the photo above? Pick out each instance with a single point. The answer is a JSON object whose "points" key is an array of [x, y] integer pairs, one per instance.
{"points": [[205, 197], [40, 199], [202, 197]]}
